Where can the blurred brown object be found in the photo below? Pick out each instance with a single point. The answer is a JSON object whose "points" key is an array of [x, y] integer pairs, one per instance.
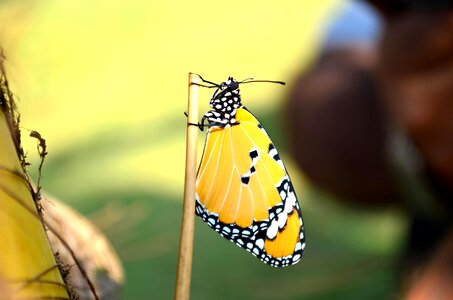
{"points": [[342, 117], [337, 127], [416, 65], [395, 8], [434, 282], [91, 248], [416, 72]]}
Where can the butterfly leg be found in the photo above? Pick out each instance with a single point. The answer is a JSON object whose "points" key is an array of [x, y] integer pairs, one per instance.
{"points": [[203, 85], [201, 125], [212, 84]]}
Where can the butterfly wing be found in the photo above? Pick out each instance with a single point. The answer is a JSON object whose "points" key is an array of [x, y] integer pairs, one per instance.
{"points": [[245, 194]]}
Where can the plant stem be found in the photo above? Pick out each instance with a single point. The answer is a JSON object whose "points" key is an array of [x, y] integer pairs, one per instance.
{"points": [[182, 291]]}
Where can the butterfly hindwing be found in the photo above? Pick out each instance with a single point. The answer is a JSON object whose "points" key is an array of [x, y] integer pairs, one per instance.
{"points": [[245, 194]]}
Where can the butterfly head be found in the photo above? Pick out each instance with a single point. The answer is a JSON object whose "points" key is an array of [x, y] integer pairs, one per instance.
{"points": [[227, 97]]}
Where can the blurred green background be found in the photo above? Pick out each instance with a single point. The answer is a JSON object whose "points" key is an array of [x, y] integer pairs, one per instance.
{"points": [[105, 83]]}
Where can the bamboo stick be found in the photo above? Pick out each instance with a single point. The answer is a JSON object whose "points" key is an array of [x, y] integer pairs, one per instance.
{"points": [[182, 291]]}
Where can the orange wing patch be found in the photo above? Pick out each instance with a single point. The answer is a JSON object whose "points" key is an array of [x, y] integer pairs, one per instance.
{"points": [[286, 240], [219, 185]]}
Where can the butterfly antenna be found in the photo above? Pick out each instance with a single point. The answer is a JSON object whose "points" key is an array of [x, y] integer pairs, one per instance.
{"points": [[246, 80], [249, 80]]}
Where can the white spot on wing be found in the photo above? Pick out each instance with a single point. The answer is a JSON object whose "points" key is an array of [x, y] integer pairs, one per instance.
{"points": [[282, 219], [273, 152], [290, 202], [271, 232], [260, 243], [283, 194], [298, 247]]}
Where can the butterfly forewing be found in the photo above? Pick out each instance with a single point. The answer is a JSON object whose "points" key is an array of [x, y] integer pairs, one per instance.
{"points": [[245, 194]]}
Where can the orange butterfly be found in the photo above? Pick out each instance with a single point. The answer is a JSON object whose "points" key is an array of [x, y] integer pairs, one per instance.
{"points": [[243, 189]]}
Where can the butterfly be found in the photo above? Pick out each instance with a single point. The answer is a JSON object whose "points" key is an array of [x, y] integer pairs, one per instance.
{"points": [[243, 190]]}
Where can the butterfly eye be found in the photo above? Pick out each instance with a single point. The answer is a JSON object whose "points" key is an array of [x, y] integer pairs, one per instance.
{"points": [[233, 85]]}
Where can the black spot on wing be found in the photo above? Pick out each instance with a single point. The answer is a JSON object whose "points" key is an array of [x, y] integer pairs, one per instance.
{"points": [[253, 154], [252, 170], [245, 179]]}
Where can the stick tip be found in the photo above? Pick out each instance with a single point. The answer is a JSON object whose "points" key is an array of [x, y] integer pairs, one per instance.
{"points": [[194, 74], [193, 78]]}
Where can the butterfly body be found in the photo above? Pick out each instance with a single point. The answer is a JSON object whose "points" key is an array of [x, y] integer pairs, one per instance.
{"points": [[243, 190]]}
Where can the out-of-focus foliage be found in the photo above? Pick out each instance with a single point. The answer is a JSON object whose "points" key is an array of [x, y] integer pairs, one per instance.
{"points": [[28, 268]]}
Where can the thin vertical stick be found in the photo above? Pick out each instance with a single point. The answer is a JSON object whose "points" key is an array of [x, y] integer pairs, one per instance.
{"points": [[182, 291]]}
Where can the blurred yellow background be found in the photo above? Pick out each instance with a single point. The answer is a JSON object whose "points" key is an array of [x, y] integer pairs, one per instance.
{"points": [[105, 83], [84, 68]]}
